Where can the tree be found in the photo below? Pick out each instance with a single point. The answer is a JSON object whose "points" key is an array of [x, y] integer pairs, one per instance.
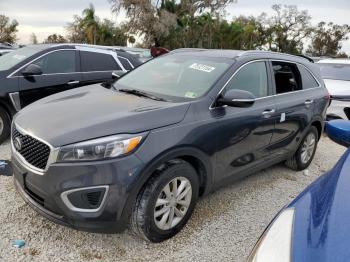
{"points": [[88, 28], [287, 29], [327, 39], [55, 38], [90, 22], [156, 20], [108, 34], [33, 39], [8, 30], [75, 31]]}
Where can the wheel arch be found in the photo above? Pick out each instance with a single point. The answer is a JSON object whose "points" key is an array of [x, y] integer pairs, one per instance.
{"points": [[195, 157], [7, 107], [319, 127]]}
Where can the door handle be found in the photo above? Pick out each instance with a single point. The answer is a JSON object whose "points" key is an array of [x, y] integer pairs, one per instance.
{"points": [[267, 113], [73, 83], [309, 102]]}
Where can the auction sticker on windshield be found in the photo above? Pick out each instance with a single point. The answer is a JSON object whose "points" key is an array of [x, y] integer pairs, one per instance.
{"points": [[202, 67]]}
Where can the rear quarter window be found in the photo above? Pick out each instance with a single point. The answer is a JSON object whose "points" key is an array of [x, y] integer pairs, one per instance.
{"points": [[93, 61], [308, 80]]}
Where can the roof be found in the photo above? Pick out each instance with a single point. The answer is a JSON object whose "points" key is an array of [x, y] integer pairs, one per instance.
{"points": [[233, 53], [344, 61]]}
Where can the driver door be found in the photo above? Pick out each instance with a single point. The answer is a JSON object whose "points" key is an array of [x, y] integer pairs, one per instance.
{"points": [[60, 72]]}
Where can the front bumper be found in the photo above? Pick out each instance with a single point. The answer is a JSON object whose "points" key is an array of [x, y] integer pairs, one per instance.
{"points": [[44, 192]]}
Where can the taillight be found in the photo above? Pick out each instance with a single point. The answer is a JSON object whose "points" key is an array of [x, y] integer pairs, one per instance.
{"points": [[328, 97]]}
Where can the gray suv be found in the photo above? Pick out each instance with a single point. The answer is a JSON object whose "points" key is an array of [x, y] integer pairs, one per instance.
{"points": [[168, 132]]}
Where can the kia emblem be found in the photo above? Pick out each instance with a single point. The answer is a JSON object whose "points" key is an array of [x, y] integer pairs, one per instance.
{"points": [[18, 143]]}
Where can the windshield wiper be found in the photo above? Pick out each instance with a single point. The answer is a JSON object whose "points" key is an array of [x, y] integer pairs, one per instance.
{"points": [[141, 93]]}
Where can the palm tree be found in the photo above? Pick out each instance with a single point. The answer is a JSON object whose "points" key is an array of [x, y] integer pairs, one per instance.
{"points": [[90, 23]]}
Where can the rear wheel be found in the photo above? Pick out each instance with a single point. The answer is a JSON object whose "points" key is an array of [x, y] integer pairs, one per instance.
{"points": [[166, 203], [306, 151], [5, 124]]}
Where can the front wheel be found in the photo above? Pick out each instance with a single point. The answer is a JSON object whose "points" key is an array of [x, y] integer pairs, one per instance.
{"points": [[306, 151], [5, 124], [166, 203]]}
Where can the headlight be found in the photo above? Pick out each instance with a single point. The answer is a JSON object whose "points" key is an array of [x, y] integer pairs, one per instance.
{"points": [[97, 149], [275, 244]]}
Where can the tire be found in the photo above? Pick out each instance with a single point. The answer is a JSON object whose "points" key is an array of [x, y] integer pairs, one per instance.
{"points": [[296, 162], [143, 221], [5, 125]]}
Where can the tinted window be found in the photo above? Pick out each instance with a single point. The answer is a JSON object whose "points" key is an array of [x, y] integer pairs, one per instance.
{"points": [[57, 62], [252, 78], [125, 63], [308, 80], [335, 71], [287, 77], [91, 61], [176, 77]]}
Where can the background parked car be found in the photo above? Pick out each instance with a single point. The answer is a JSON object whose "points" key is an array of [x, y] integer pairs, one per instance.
{"points": [[315, 226], [6, 48], [336, 75], [33, 72]]}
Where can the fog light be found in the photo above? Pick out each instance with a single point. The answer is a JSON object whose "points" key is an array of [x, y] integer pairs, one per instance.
{"points": [[88, 199]]}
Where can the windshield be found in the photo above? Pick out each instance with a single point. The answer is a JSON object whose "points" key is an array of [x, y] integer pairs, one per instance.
{"points": [[176, 77], [11, 59], [335, 71]]}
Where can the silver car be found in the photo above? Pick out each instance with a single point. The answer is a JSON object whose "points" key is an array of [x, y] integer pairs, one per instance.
{"points": [[336, 75]]}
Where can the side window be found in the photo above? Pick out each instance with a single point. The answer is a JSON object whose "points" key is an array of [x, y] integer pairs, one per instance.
{"points": [[57, 62], [287, 77], [251, 77], [307, 78], [125, 63], [93, 61]]}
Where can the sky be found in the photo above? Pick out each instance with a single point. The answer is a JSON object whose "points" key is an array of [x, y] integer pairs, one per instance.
{"points": [[45, 17]]}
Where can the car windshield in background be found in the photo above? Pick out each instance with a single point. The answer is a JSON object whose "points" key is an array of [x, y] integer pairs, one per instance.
{"points": [[16, 56], [176, 77], [335, 71]]}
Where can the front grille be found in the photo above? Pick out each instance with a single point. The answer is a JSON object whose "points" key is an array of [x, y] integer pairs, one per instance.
{"points": [[32, 150]]}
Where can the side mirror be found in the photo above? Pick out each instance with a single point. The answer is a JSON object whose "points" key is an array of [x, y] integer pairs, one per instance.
{"points": [[237, 98], [32, 70], [117, 74], [339, 131]]}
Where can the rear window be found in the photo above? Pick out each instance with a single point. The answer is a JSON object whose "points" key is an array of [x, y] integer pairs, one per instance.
{"points": [[91, 61], [335, 71], [308, 80], [125, 63]]}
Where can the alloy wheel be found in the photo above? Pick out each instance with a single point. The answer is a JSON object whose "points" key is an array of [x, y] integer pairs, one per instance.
{"points": [[1, 125], [308, 148], [172, 203]]}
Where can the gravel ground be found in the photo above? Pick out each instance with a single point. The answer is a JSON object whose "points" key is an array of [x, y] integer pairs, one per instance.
{"points": [[224, 226]]}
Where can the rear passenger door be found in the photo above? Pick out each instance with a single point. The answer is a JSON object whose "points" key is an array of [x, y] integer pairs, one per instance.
{"points": [[97, 67], [294, 98]]}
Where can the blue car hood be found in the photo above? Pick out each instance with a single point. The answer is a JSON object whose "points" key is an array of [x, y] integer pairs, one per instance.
{"points": [[322, 217]]}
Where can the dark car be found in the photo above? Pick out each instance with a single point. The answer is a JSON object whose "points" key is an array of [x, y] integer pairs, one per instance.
{"points": [[170, 131], [315, 226], [33, 72]]}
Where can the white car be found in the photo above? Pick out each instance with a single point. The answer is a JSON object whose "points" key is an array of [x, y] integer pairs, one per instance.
{"points": [[336, 75], [5, 51]]}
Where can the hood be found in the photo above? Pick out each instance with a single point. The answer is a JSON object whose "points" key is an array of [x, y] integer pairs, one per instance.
{"points": [[322, 215], [94, 111], [337, 87]]}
